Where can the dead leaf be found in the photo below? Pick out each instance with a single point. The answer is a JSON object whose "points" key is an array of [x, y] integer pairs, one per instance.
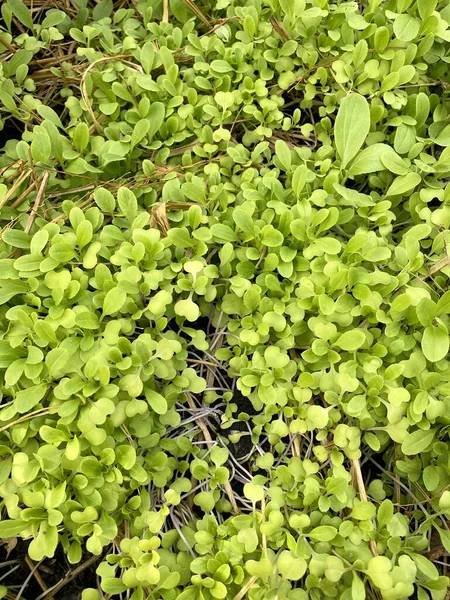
{"points": [[9, 544], [158, 218]]}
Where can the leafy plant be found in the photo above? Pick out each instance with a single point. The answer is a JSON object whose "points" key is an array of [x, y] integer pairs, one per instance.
{"points": [[224, 316]]}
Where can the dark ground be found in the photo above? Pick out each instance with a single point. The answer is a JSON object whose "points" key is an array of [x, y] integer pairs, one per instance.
{"points": [[52, 571]]}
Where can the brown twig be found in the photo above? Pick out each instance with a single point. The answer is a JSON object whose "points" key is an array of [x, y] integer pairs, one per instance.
{"points": [[165, 15], [261, 257], [58, 586], [37, 202], [84, 188], [356, 468], [37, 576], [25, 583], [279, 28], [204, 362], [23, 196], [197, 11], [246, 587], [14, 187], [158, 218], [397, 491], [83, 88], [438, 266], [296, 445], [10, 165], [53, 60], [263, 515], [3, 42], [201, 423], [37, 413]]}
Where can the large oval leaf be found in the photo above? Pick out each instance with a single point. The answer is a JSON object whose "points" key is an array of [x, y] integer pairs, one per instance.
{"points": [[435, 343], [351, 127], [156, 118], [417, 441], [10, 528]]}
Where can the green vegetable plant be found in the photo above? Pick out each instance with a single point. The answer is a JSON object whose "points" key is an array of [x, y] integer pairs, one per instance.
{"points": [[224, 304]]}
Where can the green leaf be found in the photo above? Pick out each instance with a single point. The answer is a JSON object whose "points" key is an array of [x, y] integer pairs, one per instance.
{"points": [[259, 568], [351, 127], [403, 184], [316, 417], [445, 538], [426, 8], [126, 456], [358, 588], [127, 203], [194, 190], [443, 138], [147, 57], [329, 245], [290, 566], [80, 136], [223, 233], [108, 108], [90, 594], [431, 477], [156, 118], [156, 401], [323, 533], [188, 309], [104, 200], [299, 179], [84, 233], [221, 66], [41, 146], [102, 9], [113, 585], [9, 289], [271, 237], [140, 130], [53, 18], [435, 343], [56, 360], [425, 566], [16, 238], [179, 236], [45, 331], [406, 27], [417, 441], [11, 528], [385, 512], [426, 311], [363, 511], [45, 111], [369, 160], [351, 340], [27, 399], [39, 241], [20, 10], [255, 493], [114, 300], [87, 320], [205, 500], [283, 154], [243, 220], [443, 305], [392, 161]]}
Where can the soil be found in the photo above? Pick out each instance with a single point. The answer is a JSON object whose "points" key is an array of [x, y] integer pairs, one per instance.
{"points": [[52, 571], [12, 130]]}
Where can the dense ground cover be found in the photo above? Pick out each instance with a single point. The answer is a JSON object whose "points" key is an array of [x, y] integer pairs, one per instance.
{"points": [[224, 305]]}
